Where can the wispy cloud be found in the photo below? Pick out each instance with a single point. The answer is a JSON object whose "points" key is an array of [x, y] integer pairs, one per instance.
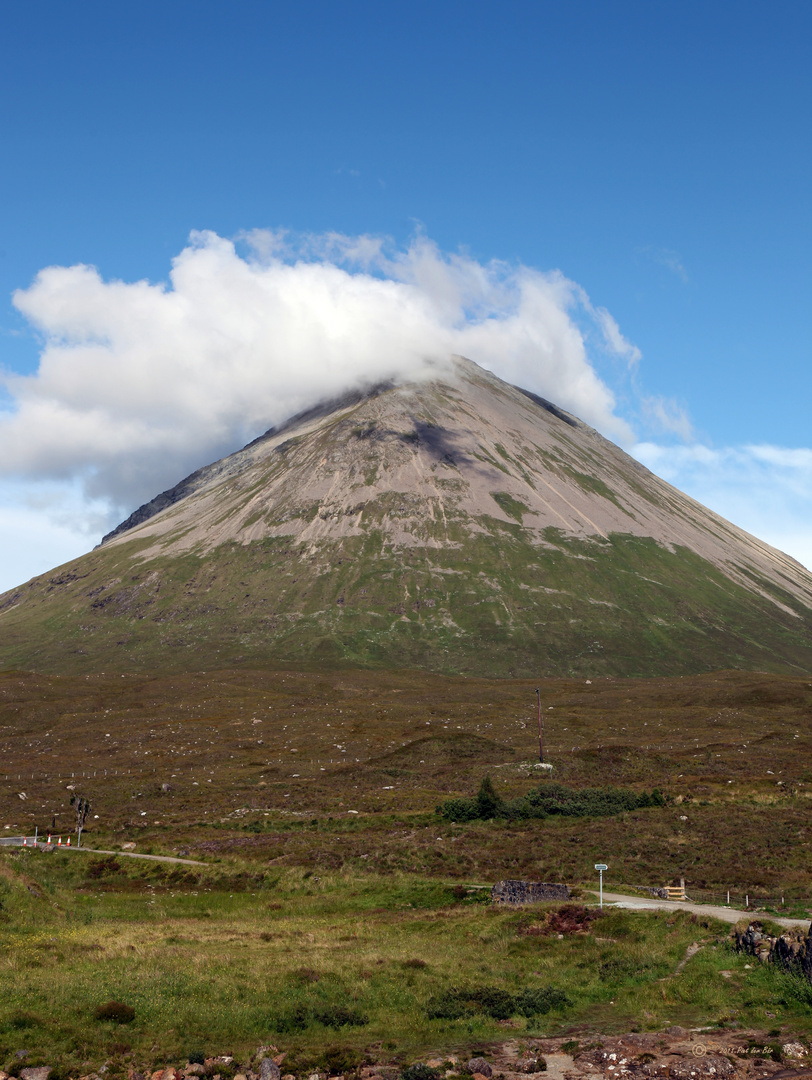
{"points": [[668, 258], [765, 489]]}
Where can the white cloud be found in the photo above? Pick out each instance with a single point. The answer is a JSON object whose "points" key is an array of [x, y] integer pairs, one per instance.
{"points": [[140, 383], [615, 340], [665, 414], [765, 489], [43, 525]]}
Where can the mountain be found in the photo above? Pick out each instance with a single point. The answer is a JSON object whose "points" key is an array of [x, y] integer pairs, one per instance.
{"points": [[459, 525]]}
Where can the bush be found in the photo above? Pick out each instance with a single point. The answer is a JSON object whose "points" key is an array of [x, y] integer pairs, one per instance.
{"points": [[116, 1011], [340, 1060], [21, 1020], [418, 1071], [494, 1002], [332, 1016], [548, 799]]}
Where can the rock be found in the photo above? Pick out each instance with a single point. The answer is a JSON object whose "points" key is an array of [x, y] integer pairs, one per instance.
{"points": [[794, 1050], [527, 892], [41, 1073], [480, 1065], [128, 846], [166, 787], [194, 1070], [289, 1076], [269, 1070]]}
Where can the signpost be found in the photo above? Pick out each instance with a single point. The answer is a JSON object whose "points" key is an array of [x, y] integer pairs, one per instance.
{"points": [[600, 867]]}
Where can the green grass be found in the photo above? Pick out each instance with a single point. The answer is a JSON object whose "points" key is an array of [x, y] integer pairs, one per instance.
{"points": [[494, 603], [241, 960]]}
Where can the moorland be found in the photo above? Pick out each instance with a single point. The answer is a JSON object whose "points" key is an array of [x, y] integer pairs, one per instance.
{"points": [[322, 903]]}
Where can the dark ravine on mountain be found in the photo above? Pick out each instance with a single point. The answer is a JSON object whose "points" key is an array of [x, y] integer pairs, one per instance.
{"points": [[459, 525]]}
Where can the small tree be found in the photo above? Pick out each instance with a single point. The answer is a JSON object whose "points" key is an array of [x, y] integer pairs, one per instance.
{"points": [[82, 810]]}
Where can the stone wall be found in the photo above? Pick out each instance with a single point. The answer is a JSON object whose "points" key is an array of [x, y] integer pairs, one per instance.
{"points": [[793, 949], [527, 892], [651, 890]]}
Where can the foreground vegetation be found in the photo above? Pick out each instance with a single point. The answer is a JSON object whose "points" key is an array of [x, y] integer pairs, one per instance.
{"points": [[324, 905], [223, 958]]}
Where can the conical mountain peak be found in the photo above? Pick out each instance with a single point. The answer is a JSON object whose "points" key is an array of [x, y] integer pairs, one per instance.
{"points": [[457, 524]]}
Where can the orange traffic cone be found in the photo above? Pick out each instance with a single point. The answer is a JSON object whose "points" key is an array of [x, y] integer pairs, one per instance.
{"points": [[68, 841], [59, 842]]}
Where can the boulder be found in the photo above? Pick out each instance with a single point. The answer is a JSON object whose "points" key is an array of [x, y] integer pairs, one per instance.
{"points": [[480, 1065], [269, 1070], [41, 1072]]}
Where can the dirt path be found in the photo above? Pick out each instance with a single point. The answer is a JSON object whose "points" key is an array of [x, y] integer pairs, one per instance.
{"points": [[135, 855], [726, 914]]}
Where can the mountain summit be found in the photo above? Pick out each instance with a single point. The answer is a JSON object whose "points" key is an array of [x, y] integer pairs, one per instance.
{"points": [[459, 525]]}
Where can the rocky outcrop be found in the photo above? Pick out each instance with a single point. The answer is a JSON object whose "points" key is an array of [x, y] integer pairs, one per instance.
{"points": [[528, 892], [792, 949]]}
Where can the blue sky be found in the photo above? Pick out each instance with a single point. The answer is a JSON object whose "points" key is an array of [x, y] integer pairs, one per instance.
{"points": [[657, 155]]}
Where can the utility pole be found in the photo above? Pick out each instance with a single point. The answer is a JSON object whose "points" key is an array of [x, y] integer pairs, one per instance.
{"points": [[541, 747]]}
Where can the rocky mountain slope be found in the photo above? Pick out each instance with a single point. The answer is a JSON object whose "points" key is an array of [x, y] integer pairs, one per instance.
{"points": [[458, 525]]}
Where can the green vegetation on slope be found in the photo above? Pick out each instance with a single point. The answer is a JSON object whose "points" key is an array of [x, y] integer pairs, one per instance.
{"points": [[495, 605]]}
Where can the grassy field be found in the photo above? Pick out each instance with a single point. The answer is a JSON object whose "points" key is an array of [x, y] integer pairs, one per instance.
{"points": [[344, 967], [334, 910]]}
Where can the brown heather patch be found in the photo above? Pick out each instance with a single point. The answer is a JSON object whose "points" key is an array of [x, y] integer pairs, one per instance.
{"points": [[266, 766]]}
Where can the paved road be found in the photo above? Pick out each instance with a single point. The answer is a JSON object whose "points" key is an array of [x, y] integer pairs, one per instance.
{"points": [[726, 914]]}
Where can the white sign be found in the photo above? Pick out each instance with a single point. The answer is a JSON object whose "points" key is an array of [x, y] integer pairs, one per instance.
{"points": [[601, 866]]}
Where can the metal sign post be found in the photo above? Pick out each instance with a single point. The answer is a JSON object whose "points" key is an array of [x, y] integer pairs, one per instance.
{"points": [[600, 867]]}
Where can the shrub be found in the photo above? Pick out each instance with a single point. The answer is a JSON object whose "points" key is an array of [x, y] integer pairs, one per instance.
{"points": [[494, 1002], [98, 868], [548, 799], [572, 918], [340, 1060], [336, 1016], [332, 1016], [418, 1071], [116, 1011], [21, 1021]]}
